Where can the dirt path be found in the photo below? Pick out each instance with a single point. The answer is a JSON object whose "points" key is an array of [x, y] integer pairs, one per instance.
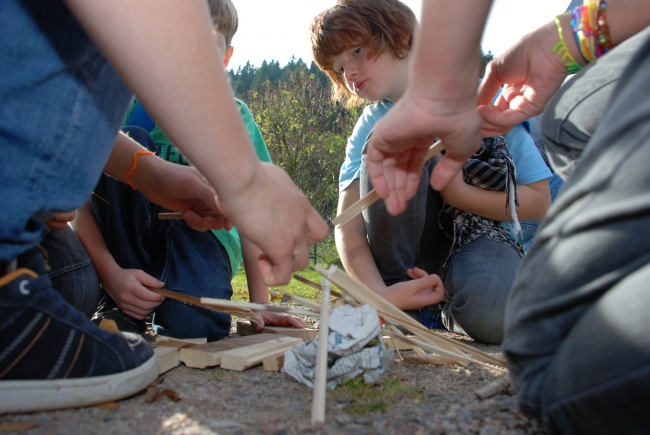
{"points": [[411, 400]]}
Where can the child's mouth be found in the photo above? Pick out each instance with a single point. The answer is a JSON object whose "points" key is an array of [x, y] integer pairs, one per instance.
{"points": [[359, 87]]}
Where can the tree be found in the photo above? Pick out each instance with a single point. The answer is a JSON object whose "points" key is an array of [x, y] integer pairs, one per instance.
{"points": [[306, 133]]}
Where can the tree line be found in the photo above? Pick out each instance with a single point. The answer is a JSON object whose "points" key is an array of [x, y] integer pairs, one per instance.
{"points": [[305, 131]]}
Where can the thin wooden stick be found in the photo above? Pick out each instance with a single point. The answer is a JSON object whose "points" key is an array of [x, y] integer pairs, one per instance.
{"points": [[302, 301], [436, 343], [320, 380], [222, 303], [373, 196], [169, 216], [191, 300], [316, 285]]}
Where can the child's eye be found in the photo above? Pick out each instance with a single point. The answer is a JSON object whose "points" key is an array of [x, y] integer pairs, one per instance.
{"points": [[340, 71], [357, 51]]}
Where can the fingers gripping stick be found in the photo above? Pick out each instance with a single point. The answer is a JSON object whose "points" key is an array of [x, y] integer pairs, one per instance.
{"points": [[373, 196]]}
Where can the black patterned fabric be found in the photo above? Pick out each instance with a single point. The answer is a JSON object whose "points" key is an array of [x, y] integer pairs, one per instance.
{"points": [[492, 167]]}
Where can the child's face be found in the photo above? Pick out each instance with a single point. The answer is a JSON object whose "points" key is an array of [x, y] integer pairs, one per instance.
{"points": [[379, 78]]}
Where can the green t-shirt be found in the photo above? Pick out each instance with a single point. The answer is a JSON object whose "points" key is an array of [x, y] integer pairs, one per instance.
{"points": [[229, 239]]}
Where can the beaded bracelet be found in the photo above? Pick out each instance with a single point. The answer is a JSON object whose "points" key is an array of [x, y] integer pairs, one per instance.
{"points": [[604, 39], [563, 51], [135, 165]]}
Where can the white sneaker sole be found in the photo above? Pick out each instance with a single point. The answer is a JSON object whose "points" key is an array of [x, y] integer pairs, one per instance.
{"points": [[42, 395]]}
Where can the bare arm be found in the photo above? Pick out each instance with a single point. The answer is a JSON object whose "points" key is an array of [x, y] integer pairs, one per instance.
{"points": [[191, 99], [126, 287], [534, 200]]}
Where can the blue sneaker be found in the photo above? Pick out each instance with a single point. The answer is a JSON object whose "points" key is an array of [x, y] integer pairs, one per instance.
{"points": [[52, 357], [430, 316]]}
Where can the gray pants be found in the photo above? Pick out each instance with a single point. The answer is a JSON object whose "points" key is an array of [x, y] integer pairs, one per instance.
{"points": [[576, 336]]}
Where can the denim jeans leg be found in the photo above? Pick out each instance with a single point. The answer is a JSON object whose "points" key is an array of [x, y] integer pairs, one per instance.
{"points": [[197, 265], [575, 339], [60, 106], [71, 271], [477, 283]]}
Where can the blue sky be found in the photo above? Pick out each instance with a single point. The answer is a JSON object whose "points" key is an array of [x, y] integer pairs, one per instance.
{"points": [[278, 29]]}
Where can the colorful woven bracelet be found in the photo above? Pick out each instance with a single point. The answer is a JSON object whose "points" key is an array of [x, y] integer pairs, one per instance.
{"points": [[563, 51], [135, 165], [584, 32]]}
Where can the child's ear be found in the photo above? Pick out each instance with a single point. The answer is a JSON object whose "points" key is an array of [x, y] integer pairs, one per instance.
{"points": [[227, 56]]}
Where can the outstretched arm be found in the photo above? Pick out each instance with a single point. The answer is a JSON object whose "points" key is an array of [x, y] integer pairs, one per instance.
{"points": [[531, 73], [191, 99]]}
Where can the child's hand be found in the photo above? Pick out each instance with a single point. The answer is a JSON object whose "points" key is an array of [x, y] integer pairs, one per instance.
{"points": [[277, 319], [60, 220], [421, 291], [454, 189], [127, 289], [277, 217]]}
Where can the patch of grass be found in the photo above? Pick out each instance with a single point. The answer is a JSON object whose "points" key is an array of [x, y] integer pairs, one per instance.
{"points": [[366, 398], [240, 286]]}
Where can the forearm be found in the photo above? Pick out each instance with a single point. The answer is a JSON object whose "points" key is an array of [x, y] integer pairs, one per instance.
{"points": [[446, 54], [257, 289], [179, 36], [352, 244], [88, 232], [534, 201]]}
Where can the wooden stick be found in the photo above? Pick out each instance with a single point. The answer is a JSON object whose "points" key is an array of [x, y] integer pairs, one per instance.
{"points": [[224, 304], [373, 196], [320, 380], [315, 285], [435, 342], [493, 388], [302, 301], [169, 216], [192, 300], [434, 360]]}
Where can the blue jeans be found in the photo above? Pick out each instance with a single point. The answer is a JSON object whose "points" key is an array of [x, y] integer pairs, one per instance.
{"points": [[576, 337], [186, 260], [61, 105], [71, 270], [478, 277]]}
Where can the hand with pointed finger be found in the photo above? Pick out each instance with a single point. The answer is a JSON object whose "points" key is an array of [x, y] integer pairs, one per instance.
{"points": [[422, 290], [266, 318]]}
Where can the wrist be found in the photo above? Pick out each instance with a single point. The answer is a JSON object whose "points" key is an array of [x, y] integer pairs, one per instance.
{"points": [[146, 166]]}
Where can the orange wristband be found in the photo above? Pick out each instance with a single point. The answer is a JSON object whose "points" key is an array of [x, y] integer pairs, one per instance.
{"points": [[135, 165]]}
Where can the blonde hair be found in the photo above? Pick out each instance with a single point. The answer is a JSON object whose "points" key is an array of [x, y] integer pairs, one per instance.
{"points": [[379, 25], [224, 18]]}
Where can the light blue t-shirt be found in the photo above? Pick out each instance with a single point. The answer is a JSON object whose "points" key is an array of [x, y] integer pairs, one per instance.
{"points": [[529, 164]]}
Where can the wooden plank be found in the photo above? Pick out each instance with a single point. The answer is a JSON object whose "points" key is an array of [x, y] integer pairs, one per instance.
{"points": [[244, 327], [373, 196], [428, 360], [273, 363], [305, 334], [320, 377], [168, 348], [246, 357], [209, 354]]}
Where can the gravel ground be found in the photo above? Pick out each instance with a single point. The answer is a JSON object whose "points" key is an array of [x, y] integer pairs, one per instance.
{"points": [[413, 399]]}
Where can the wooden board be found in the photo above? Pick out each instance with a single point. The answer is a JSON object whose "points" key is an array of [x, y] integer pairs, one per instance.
{"points": [[250, 356], [209, 354], [273, 363], [305, 334], [168, 349]]}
